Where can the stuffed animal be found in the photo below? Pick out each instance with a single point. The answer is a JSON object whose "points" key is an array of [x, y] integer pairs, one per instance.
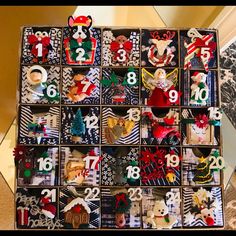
{"points": [[159, 217], [82, 88], [121, 48]]}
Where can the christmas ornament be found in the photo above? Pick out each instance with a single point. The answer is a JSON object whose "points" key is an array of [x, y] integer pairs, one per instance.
{"points": [[78, 127], [80, 47], [160, 53], [81, 89], [159, 217], [39, 45], [117, 128], [201, 46], [121, 48], [162, 87]]}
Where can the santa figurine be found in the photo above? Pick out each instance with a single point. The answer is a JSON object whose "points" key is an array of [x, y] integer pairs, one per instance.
{"points": [[199, 89], [36, 77]]}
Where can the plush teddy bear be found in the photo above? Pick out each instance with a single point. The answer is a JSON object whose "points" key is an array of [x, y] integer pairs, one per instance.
{"points": [[121, 48], [159, 218]]}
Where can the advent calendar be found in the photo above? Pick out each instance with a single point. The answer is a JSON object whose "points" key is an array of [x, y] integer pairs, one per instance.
{"points": [[118, 128]]}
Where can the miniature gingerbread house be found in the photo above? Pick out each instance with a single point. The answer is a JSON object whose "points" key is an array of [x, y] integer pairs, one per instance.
{"points": [[76, 212]]}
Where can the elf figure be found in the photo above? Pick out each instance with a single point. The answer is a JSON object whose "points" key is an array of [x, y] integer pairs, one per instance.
{"points": [[40, 46], [37, 77], [162, 87], [199, 89]]}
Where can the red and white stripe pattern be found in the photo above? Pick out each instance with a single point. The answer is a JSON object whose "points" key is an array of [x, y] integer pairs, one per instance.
{"points": [[193, 48]]}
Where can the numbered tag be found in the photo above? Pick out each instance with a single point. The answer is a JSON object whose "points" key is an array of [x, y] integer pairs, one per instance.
{"points": [[122, 55], [133, 172], [39, 48], [173, 198], [81, 53], [92, 194], [91, 122], [51, 91], [135, 194], [217, 162], [172, 160], [199, 94], [173, 96], [205, 54], [86, 85], [95, 160], [134, 114], [50, 194], [215, 113], [45, 164], [131, 78]]}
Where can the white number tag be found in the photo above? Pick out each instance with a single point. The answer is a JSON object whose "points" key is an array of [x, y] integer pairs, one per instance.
{"points": [[45, 164], [122, 55], [205, 54], [215, 113], [134, 114], [217, 163], [86, 85], [39, 48], [91, 122], [133, 172], [81, 53], [135, 194], [51, 90], [199, 94], [92, 194], [50, 194], [173, 96], [95, 159], [131, 78], [173, 198], [172, 160]]}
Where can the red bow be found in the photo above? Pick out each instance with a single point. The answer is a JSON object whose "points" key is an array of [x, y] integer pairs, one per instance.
{"points": [[120, 197], [115, 46]]}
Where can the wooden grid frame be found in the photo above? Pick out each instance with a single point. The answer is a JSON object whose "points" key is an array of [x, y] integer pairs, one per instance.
{"points": [[140, 106]]}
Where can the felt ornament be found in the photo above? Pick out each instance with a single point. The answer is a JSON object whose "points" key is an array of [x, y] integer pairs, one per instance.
{"points": [[39, 44], [199, 84], [117, 128], [160, 53], [201, 47], [203, 173], [51, 92], [161, 87], [122, 204], [201, 121], [160, 131], [81, 89], [19, 153], [121, 48], [80, 47], [203, 206], [159, 217], [78, 127]]}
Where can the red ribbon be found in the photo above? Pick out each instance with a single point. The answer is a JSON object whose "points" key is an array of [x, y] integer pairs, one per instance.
{"points": [[120, 197]]}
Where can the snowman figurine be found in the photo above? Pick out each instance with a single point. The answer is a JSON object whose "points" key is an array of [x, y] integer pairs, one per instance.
{"points": [[36, 77]]}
